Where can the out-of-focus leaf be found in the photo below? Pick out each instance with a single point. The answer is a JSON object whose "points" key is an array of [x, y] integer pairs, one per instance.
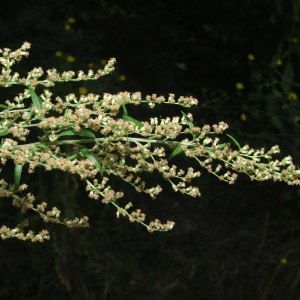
{"points": [[41, 146], [287, 78]]}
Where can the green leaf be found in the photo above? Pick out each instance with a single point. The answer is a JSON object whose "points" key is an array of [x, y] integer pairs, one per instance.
{"points": [[82, 132], [41, 146], [67, 132], [93, 158], [3, 106], [190, 122], [35, 99], [136, 122], [234, 141], [222, 146], [17, 175], [4, 132], [130, 119], [86, 133], [176, 151], [71, 157], [125, 113]]}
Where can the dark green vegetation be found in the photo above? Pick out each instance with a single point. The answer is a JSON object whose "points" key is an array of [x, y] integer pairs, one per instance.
{"points": [[235, 242]]}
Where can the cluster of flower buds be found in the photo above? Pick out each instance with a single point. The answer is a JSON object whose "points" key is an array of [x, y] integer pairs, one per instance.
{"points": [[94, 137]]}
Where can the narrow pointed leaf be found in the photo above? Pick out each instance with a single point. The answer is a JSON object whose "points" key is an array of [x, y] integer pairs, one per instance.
{"points": [[42, 146], [68, 132], [176, 151], [35, 99], [86, 133], [82, 132], [190, 123], [222, 146], [17, 175], [71, 157], [125, 113], [136, 122], [93, 158], [4, 132], [234, 141]]}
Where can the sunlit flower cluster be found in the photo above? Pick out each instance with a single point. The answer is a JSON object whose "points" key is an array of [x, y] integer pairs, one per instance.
{"points": [[95, 137]]}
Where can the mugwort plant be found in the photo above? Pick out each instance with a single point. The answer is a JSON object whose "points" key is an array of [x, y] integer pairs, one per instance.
{"points": [[94, 138]]}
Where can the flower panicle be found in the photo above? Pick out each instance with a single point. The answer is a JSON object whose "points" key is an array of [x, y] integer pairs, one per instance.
{"points": [[95, 138]]}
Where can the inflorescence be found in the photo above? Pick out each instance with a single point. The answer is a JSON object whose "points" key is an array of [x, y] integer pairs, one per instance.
{"points": [[105, 141]]}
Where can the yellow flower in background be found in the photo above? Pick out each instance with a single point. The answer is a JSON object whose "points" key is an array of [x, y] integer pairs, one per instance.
{"points": [[71, 20], [278, 62], [251, 57], [283, 261], [239, 86], [90, 65], [292, 96], [83, 90], [67, 27], [103, 62], [58, 54], [243, 117], [122, 77], [295, 40], [70, 58]]}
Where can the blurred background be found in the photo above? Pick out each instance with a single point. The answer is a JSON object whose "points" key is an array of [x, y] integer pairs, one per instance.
{"points": [[241, 60]]}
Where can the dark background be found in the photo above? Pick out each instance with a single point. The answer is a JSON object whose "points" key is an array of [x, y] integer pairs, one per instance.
{"points": [[235, 242]]}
